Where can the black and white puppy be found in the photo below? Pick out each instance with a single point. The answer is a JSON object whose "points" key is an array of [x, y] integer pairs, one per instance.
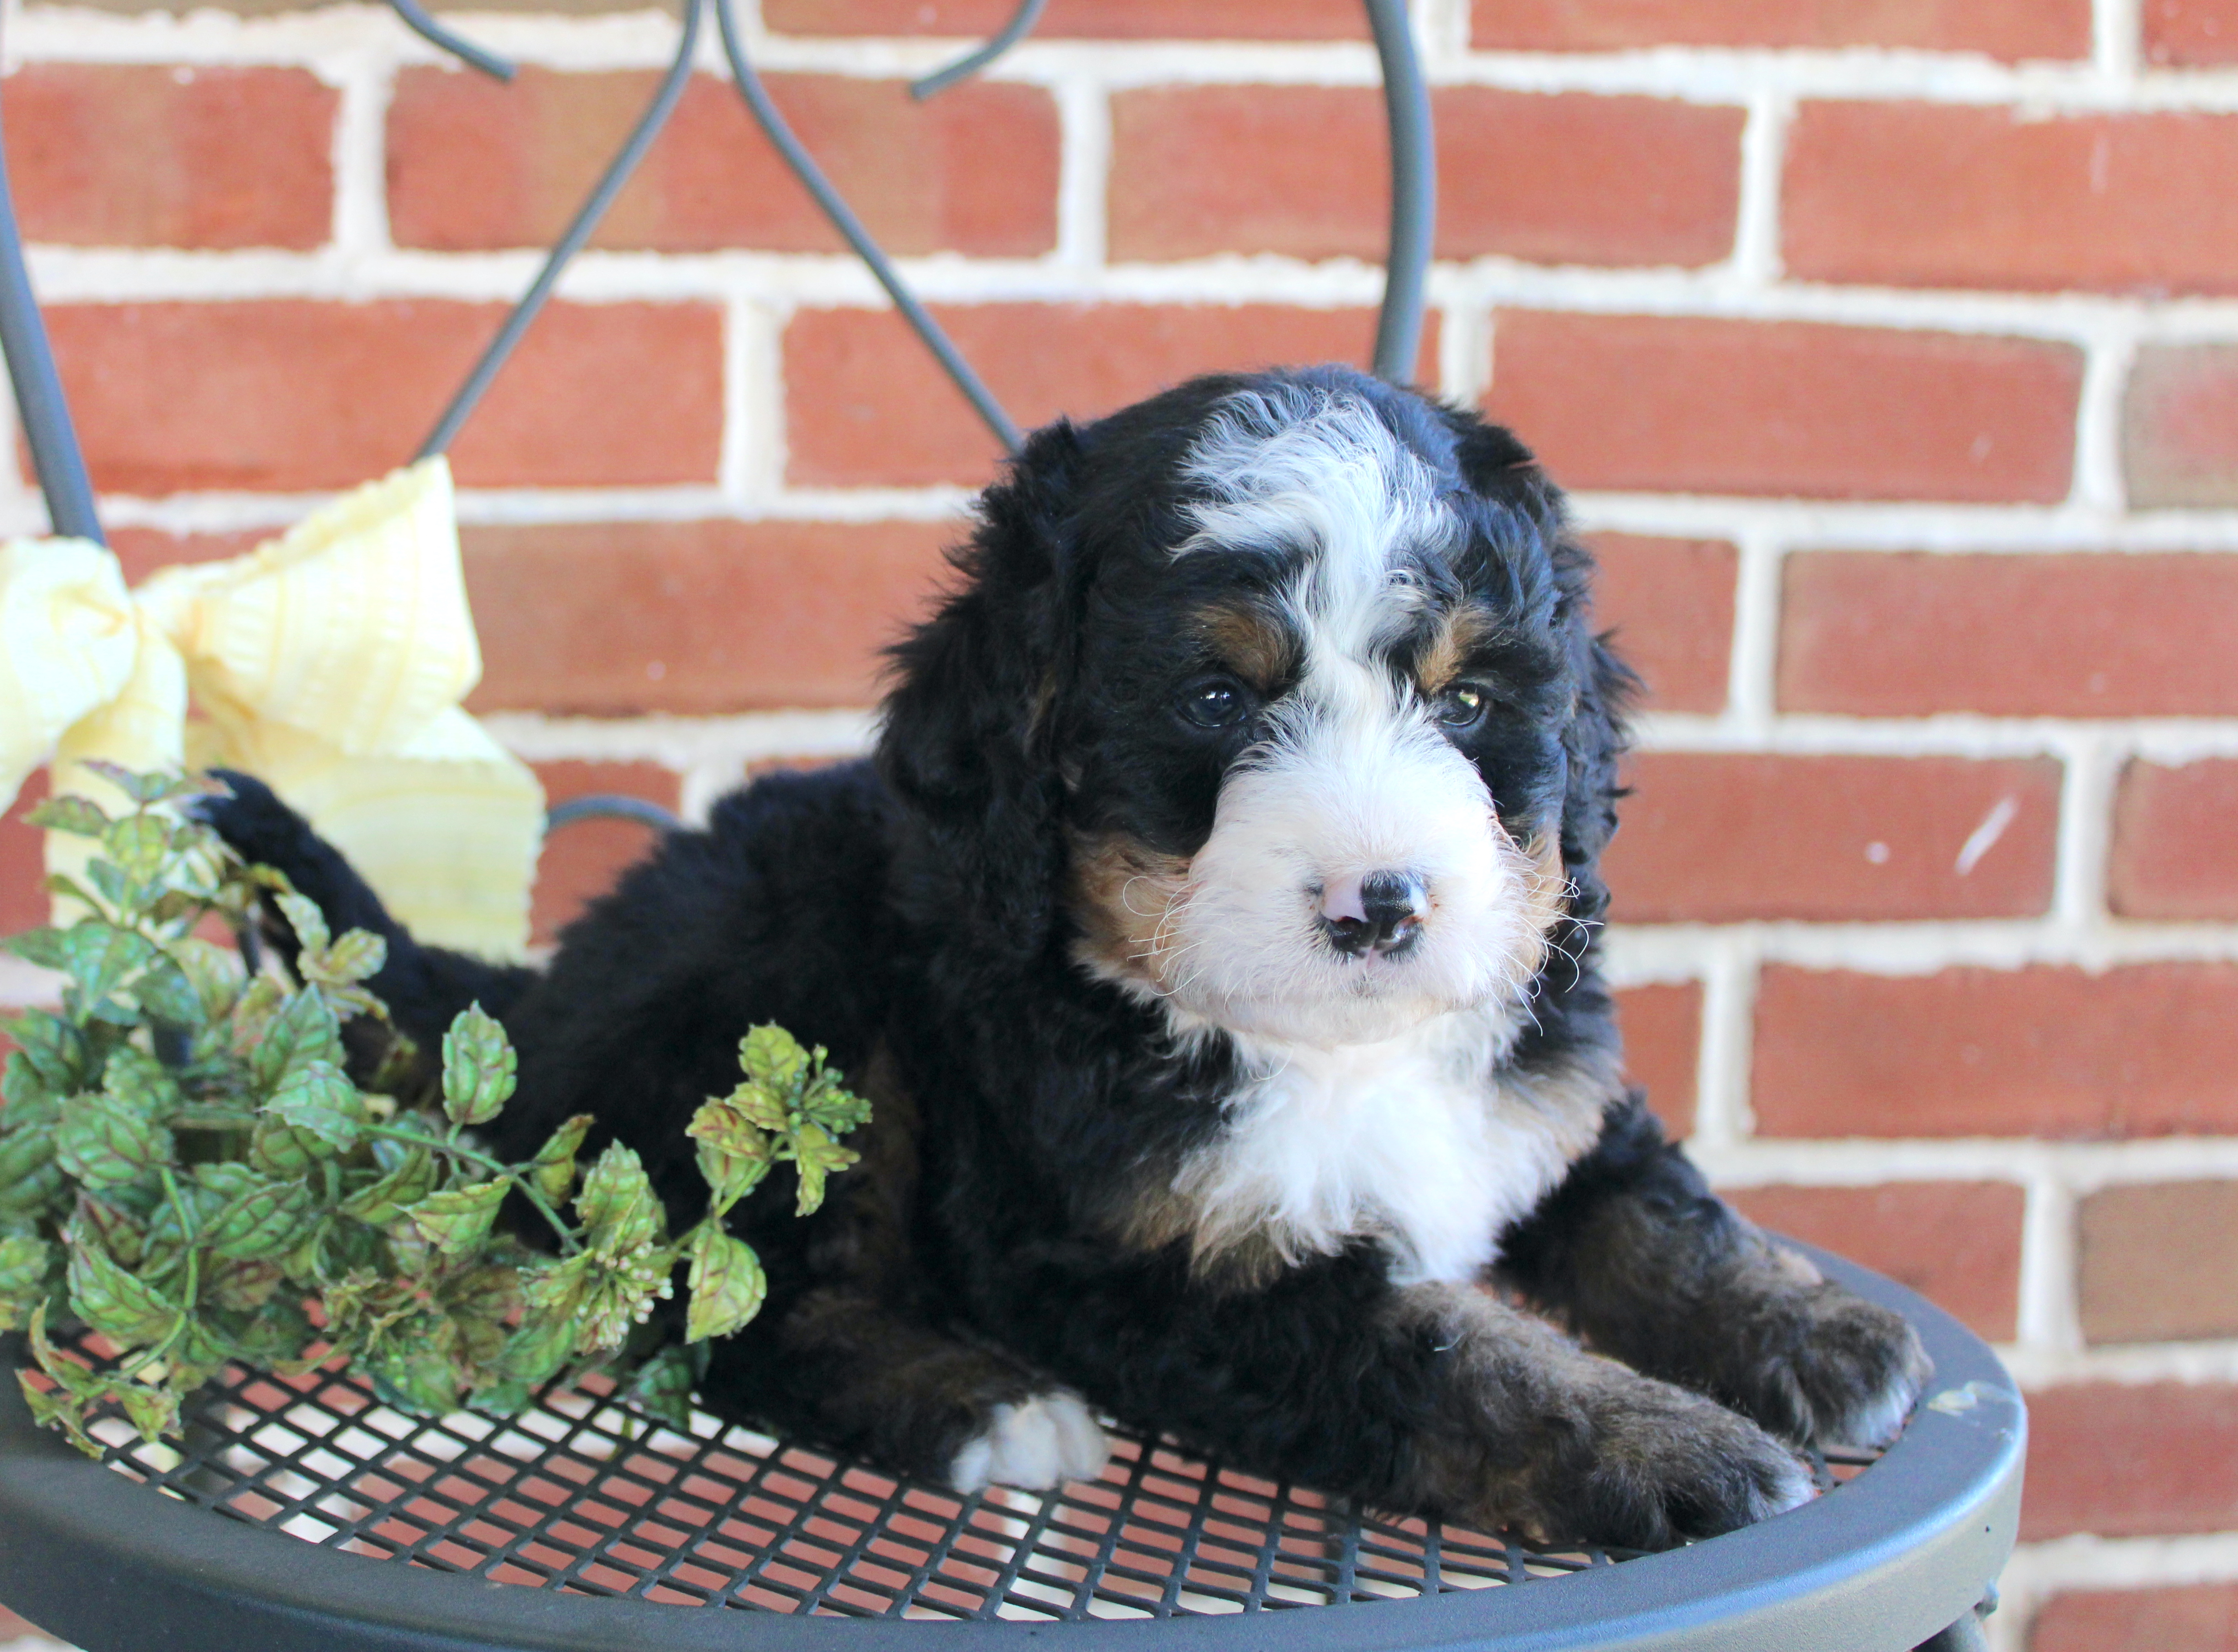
{"points": [[1213, 933]]}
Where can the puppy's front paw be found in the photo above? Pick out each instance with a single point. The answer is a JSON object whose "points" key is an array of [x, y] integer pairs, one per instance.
{"points": [[1036, 1445], [1829, 1367], [1654, 1465]]}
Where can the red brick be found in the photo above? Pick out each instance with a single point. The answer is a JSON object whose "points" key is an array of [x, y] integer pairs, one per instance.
{"points": [[2123, 1461], [1090, 19], [472, 165], [1957, 1243], [1880, 634], [2006, 29], [1715, 837], [1303, 170], [582, 860], [1949, 195], [1695, 404], [1662, 1044], [868, 405], [2198, 1617], [289, 393], [2175, 854], [2147, 1050], [2179, 426], [617, 619], [1669, 603], [142, 550], [14, 1628], [22, 863], [2159, 1262], [152, 155], [2188, 33]]}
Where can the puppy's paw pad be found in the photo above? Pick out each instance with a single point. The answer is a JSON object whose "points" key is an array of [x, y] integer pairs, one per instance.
{"points": [[1858, 1373], [1044, 1442]]}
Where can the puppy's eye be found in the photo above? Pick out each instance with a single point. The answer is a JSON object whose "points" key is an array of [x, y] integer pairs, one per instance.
{"points": [[1212, 704], [1461, 709]]}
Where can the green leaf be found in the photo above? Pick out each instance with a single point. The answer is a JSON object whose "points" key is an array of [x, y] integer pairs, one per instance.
{"points": [[100, 957], [317, 1097], [303, 916], [478, 1068], [415, 1377], [138, 844], [105, 1143], [154, 788], [553, 1170], [137, 1081], [458, 1218], [278, 1148], [382, 1202], [773, 1057], [26, 1263], [617, 1208], [304, 1032], [54, 1049], [662, 1388], [154, 1411], [829, 1104], [166, 995], [29, 1101], [261, 1220], [540, 1350], [817, 1156], [109, 883], [121, 1307], [726, 1282], [48, 948], [242, 1286], [214, 972], [80, 817], [357, 956], [734, 1153], [31, 1181]]}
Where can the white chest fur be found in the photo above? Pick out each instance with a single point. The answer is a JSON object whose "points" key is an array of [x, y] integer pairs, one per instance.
{"points": [[1421, 1142]]}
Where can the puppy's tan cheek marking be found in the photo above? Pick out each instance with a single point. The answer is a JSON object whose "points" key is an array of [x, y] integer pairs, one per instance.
{"points": [[1121, 895], [1459, 631], [1250, 642]]}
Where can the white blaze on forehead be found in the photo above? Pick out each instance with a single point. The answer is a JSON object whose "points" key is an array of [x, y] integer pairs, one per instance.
{"points": [[1300, 469]]}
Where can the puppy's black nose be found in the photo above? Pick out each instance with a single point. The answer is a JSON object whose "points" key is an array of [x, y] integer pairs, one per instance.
{"points": [[1375, 912]]}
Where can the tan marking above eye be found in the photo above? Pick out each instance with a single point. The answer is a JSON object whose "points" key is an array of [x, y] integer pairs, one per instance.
{"points": [[1458, 631], [1250, 641]]}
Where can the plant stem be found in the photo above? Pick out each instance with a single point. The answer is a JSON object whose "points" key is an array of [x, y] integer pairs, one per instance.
{"points": [[570, 1245]]}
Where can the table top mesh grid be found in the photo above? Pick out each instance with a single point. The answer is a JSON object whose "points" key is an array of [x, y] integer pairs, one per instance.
{"points": [[585, 1494]]}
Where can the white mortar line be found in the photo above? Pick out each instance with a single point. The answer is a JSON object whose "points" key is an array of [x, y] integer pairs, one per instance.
{"points": [[2099, 483], [1722, 1114], [1913, 948], [1463, 354], [751, 470], [1751, 699], [2116, 37], [1083, 171], [361, 202], [2093, 764], [683, 743], [1755, 260], [2049, 1314]]}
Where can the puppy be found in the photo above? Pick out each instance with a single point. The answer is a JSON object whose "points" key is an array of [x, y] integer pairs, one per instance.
{"points": [[1213, 933]]}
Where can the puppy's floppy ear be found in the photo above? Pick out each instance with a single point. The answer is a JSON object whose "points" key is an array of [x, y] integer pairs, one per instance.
{"points": [[1499, 468], [967, 746]]}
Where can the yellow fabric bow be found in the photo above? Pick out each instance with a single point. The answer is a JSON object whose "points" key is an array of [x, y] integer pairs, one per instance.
{"points": [[329, 663]]}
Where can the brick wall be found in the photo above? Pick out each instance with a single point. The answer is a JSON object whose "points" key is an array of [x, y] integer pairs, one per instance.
{"points": [[1890, 346]]}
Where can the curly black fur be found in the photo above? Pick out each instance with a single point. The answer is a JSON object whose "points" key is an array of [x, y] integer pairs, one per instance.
{"points": [[912, 914]]}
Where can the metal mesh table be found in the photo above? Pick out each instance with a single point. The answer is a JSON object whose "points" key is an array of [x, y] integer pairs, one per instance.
{"points": [[303, 1511]]}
